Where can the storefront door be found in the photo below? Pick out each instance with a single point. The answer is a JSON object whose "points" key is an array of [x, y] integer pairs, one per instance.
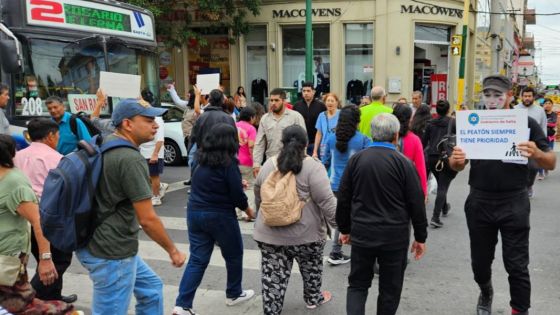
{"points": [[431, 61]]}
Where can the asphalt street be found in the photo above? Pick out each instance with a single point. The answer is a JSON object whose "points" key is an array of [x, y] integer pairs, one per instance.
{"points": [[440, 283]]}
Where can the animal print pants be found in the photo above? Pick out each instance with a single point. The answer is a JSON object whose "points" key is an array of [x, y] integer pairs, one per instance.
{"points": [[276, 268]]}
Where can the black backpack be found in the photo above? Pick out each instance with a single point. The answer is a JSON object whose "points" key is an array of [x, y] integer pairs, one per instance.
{"points": [[93, 131], [445, 147]]}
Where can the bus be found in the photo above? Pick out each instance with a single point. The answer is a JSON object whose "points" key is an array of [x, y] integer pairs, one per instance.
{"points": [[59, 47]]}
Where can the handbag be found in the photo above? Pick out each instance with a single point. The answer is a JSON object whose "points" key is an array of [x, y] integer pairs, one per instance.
{"points": [[11, 267], [445, 147]]}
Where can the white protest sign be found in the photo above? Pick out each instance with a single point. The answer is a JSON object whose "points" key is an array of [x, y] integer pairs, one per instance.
{"points": [[492, 134], [84, 103], [207, 82], [119, 84]]}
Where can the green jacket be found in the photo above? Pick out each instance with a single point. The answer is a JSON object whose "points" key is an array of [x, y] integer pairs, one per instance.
{"points": [[367, 114]]}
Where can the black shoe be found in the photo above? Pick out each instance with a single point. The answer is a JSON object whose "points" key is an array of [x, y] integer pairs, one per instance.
{"points": [[69, 299], [338, 259], [484, 305], [445, 209], [187, 182], [436, 223]]}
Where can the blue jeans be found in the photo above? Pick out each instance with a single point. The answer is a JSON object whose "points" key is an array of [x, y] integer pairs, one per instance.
{"points": [[204, 229], [114, 281]]}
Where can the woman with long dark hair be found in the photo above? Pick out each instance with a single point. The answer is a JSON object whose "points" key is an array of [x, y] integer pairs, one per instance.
{"points": [[240, 99], [303, 240], [435, 131], [420, 120], [410, 144], [339, 147], [215, 193]]}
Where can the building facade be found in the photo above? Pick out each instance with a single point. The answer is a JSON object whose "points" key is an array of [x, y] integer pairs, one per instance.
{"points": [[402, 45]]}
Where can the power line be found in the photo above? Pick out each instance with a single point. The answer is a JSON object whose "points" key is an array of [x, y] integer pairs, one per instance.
{"points": [[487, 12], [548, 28]]}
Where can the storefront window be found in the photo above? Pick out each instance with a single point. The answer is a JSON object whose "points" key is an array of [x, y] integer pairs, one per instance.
{"points": [[358, 61], [211, 58], [256, 85], [431, 62], [293, 54]]}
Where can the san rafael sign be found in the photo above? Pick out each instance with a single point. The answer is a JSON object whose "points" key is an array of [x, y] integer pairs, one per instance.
{"points": [[431, 10]]}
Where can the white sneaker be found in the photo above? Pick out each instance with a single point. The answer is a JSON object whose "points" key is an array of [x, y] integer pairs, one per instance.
{"points": [[245, 295], [163, 189], [156, 201], [177, 310]]}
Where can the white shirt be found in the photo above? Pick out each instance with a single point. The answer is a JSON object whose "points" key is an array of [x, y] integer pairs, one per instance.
{"points": [[146, 149]]}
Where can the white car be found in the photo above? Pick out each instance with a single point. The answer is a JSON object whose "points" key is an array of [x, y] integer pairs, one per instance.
{"points": [[175, 150]]}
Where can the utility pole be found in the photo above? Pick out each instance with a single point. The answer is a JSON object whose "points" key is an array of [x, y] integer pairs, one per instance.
{"points": [[495, 35], [308, 42], [461, 82]]}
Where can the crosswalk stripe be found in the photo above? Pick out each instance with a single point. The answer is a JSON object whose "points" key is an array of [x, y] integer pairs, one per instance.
{"points": [[251, 258], [206, 301], [178, 223], [175, 186], [151, 250]]}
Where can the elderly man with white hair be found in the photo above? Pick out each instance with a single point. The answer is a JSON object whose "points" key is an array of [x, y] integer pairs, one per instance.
{"points": [[376, 107], [379, 195]]}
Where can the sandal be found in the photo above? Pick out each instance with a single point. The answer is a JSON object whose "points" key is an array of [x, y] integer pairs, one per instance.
{"points": [[327, 296]]}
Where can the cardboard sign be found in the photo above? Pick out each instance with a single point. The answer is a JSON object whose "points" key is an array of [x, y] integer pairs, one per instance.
{"points": [[207, 82], [492, 134], [119, 84]]}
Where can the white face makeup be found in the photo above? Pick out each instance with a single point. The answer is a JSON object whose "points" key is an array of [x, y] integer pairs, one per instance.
{"points": [[494, 99]]}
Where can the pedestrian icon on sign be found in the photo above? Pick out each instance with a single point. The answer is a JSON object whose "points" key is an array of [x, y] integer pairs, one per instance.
{"points": [[455, 51], [513, 151]]}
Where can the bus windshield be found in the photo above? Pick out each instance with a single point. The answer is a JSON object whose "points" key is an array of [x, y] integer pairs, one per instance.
{"points": [[72, 70]]}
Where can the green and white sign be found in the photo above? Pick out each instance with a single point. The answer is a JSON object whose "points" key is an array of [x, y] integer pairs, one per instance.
{"points": [[90, 17]]}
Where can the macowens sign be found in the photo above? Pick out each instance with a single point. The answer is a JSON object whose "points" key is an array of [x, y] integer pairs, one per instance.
{"points": [[301, 13], [432, 9], [90, 17]]}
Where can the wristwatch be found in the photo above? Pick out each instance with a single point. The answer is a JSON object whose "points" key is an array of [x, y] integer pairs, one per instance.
{"points": [[46, 256]]}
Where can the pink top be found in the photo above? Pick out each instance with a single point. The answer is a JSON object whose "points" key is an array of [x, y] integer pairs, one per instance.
{"points": [[413, 150], [246, 132], [35, 162]]}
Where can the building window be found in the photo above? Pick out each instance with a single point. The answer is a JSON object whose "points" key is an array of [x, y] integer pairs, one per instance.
{"points": [[210, 58], [256, 85], [293, 57], [358, 61]]}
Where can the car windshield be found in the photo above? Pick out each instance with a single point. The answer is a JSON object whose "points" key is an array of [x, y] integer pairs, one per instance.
{"points": [[72, 70]]}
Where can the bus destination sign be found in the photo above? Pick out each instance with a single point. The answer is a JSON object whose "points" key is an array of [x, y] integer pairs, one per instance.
{"points": [[91, 17]]}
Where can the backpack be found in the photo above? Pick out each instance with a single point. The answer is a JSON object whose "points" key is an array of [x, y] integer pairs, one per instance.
{"points": [[280, 202], [67, 219], [93, 131], [445, 147]]}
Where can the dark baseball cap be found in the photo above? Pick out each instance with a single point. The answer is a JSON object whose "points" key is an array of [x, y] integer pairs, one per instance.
{"points": [[496, 82], [131, 107]]}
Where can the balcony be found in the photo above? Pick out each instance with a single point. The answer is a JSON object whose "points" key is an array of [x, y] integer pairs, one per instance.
{"points": [[530, 17], [529, 41]]}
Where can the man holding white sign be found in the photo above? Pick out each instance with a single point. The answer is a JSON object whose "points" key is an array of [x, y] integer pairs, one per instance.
{"points": [[498, 200]]}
